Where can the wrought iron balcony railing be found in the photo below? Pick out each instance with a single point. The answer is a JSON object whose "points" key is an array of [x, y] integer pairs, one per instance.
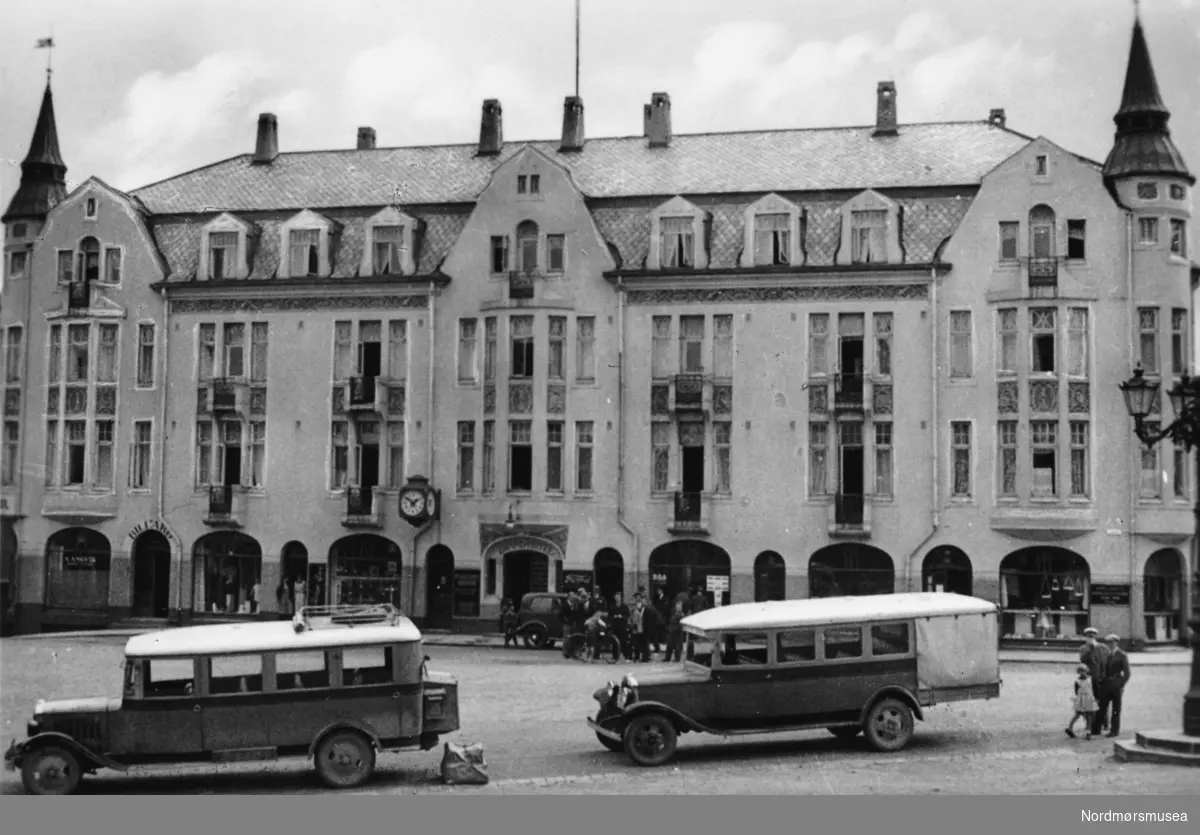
{"points": [[360, 501], [224, 394], [848, 391], [78, 295], [689, 391], [361, 392], [520, 284], [687, 508], [220, 500], [848, 510]]}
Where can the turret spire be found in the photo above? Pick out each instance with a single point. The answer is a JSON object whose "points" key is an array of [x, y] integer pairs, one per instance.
{"points": [[43, 172]]}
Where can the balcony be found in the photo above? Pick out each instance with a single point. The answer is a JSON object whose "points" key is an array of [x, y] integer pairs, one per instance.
{"points": [[360, 394], [79, 507], [220, 507], [849, 393], [520, 284], [363, 508], [850, 516], [689, 393], [688, 516], [78, 296], [1043, 276], [228, 396]]}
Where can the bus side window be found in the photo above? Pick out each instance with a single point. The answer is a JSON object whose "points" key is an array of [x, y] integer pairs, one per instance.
{"points": [[301, 670], [167, 677], [235, 674], [366, 665]]}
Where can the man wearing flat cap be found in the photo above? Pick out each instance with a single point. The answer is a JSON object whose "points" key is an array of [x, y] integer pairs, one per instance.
{"points": [[1111, 687], [1095, 655]]}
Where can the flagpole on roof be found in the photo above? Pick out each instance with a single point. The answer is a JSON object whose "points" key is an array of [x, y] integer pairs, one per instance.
{"points": [[576, 48]]}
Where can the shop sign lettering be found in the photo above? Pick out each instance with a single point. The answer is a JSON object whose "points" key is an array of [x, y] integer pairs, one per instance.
{"points": [[153, 525]]}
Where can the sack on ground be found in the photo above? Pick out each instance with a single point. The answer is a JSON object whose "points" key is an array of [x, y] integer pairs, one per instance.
{"points": [[463, 765]]}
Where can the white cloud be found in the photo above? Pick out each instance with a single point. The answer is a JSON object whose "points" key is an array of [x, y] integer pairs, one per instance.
{"points": [[984, 65], [921, 30]]}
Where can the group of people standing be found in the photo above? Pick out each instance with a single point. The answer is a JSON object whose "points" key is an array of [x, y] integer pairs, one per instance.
{"points": [[650, 623], [1102, 675]]}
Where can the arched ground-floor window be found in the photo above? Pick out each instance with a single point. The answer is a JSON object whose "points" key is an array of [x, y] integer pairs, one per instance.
{"points": [[1162, 595], [227, 573], [1044, 593], [947, 568], [77, 570], [770, 577], [850, 569], [365, 569]]}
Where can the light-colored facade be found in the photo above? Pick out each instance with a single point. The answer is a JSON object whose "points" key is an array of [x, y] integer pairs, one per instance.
{"points": [[776, 364]]}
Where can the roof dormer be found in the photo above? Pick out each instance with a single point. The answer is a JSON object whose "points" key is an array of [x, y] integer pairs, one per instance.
{"points": [[678, 236], [305, 245], [225, 243], [870, 230], [772, 233], [389, 243]]}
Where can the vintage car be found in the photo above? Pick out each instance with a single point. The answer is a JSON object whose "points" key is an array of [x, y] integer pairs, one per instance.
{"points": [[337, 684], [538, 622], [849, 664]]}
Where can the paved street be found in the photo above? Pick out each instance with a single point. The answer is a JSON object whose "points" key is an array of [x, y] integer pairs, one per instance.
{"points": [[527, 708]]}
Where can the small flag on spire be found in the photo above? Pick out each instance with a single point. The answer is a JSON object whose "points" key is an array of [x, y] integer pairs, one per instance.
{"points": [[45, 43]]}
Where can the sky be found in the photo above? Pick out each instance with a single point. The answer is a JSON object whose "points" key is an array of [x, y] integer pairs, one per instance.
{"points": [[146, 89]]}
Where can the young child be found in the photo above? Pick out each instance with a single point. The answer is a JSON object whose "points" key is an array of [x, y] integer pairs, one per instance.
{"points": [[1085, 702], [508, 622], [592, 627]]}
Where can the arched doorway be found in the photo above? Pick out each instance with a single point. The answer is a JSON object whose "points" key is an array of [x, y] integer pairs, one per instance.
{"points": [[1044, 593], [77, 570], [366, 569], [851, 569], [525, 572], [151, 575], [1162, 595], [770, 577], [685, 565], [227, 574], [947, 568], [439, 587], [294, 585], [608, 568]]}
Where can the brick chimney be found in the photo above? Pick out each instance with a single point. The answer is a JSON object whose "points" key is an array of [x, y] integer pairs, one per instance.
{"points": [[646, 111], [660, 120], [366, 139], [996, 117], [491, 128], [885, 109], [572, 134], [267, 146]]}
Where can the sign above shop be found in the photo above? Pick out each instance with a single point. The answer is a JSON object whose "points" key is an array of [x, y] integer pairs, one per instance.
{"points": [[157, 525], [1110, 594]]}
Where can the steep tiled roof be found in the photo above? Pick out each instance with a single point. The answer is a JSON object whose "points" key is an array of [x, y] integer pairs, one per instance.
{"points": [[828, 159], [43, 172]]}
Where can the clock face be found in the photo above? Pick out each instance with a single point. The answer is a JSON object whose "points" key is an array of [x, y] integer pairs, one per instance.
{"points": [[431, 503], [412, 502]]}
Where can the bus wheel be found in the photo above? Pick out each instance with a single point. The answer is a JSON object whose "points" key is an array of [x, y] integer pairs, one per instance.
{"points": [[889, 725], [51, 770], [650, 739], [345, 759]]}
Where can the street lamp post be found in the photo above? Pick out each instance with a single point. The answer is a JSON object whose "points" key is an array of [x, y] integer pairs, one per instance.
{"points": [[1140, 395]]}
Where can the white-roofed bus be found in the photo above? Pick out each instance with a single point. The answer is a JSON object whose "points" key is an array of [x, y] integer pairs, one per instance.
{"points": [[850, 664], [337, 684]]}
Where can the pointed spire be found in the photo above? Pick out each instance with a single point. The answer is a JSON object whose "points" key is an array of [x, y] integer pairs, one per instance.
{"points": [[43, 172], [1142, 144]]}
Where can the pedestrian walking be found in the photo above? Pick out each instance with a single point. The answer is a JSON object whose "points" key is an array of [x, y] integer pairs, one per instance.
{"points": [[618, 619], [675, 633], [1112, 688], [637, 627], [1084, 703], [1094, 654], [568, 615], [656, 623], [508, 622]]}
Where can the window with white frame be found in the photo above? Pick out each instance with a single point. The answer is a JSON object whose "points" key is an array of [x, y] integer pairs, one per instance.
{"points": [[1044, 339], [74, 453], [51, 468], [1180, 347], [535, 183], [660, 456], [234, 350], [342, 355], [660, 351], [554, 456], [339, 460], [1147, 230], [257, 442], [89, 259], [222, 255], [868, 236], [385, 249], [204, 460], [145, 357], [1006, 325], [883, 344], [1077, 239], [818, 459], [883, 460], [1007, 435], [557, 353], [229, 451], [1044, 451], [395, 449], [818, 343], [691, 344], [1009, 233], [1041, 165], [365, 441], [66, 269], [112, 265], [1077, 341], [723, 457], [106, 354], [207, 353], [79, 339], [521, 353], [258, 352], [89, 208], [772, 239], [1178, 237], [397, 350], [489, 457], [1041, 232], [140, 455], [722, 346], [1181, 471], [527, 246], [466, 350], [12, 448], [1147, 191], [677, 244], [960, 464], [1080, 474], [556, 253], [13, 343], [1151, 483], [585, 349], [18, 263], [489, 349], [1148, 339], [584, 451], [466, 456], [54, 360], [499, 251], [520, 456], [961, 362]]}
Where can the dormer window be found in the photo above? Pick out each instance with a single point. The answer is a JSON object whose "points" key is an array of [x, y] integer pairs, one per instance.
{"points": [[527, 246], [304, 246], [386, 242], [89, 210], [772, 245], [89, 259], [772, 230], [677, 245], [868, 237], [1147, 191], [222, 255], [870, 230]]}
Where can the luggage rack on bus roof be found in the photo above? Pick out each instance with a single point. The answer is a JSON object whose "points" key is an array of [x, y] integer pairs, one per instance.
{"points": [[360, 614]]}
